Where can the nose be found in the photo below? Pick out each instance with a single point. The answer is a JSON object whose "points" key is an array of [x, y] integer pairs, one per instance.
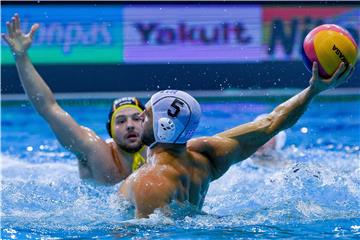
{"points": [[130, 125]]}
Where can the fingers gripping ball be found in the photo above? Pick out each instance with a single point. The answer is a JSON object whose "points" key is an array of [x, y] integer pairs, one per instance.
{"points": [[329, 45]]}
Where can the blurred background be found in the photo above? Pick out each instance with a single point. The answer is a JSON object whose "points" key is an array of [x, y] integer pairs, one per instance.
{"points": [[109, 47]]}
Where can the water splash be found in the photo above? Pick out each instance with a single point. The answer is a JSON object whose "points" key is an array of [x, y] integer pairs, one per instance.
{"points": [[312, 185]]}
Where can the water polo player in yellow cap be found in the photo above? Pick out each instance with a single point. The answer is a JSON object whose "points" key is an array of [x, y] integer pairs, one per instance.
{"points": [[124, 128], [106, 162]]}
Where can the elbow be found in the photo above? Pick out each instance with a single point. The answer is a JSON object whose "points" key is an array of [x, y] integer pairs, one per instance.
{"points": [[266, 124], [279, 120], [274, 123], [46, 109]]}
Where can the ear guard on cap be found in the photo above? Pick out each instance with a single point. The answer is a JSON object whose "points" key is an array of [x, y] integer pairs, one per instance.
{"points": [[166, 129]]}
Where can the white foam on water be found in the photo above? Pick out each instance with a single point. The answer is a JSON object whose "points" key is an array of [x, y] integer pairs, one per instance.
{"points": [[51, 196], [313, 184]]}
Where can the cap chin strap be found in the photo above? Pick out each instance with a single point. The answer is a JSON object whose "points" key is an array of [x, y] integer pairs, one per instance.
{"points": [[153, 144], [138, 160]]}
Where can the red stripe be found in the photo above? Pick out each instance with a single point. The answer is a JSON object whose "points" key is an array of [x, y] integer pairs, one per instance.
{"points": [[288, 13], [309, 50], [322, 72]]}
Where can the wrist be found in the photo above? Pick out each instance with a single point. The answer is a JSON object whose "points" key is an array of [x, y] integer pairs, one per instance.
{"points": [[20, 55], [313, 91]]}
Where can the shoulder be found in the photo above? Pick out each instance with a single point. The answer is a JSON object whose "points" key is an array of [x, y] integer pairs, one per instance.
{"points": [[206, 144], [197, 144], [111, 146], [213, 148], [219, 151]]}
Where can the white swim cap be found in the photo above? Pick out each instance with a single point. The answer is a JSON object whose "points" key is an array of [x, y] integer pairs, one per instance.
{"points": [[176, 116]]}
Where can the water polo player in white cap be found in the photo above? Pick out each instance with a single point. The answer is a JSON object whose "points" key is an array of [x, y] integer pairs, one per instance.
{"points": [[105, 162], [179, 169]]}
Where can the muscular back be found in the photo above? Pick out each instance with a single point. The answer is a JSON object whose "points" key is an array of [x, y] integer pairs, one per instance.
{"points": [[182, 175]]}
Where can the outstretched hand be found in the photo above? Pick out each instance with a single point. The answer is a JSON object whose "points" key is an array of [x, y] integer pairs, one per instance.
{"points": [[341, 75], [17, 40]]}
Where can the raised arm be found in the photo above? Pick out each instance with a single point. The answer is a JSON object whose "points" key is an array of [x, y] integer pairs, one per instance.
{"points": [[239, 143], [83, 142]]}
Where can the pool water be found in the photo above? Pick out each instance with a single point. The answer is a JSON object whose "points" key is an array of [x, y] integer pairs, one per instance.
{"points": [[313, 190]]}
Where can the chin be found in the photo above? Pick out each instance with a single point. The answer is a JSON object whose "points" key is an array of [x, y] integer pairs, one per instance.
{"points": [[134, 146]]}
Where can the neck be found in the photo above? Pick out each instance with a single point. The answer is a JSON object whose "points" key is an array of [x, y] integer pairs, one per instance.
{"points": [[128, 158], [168, 147]]}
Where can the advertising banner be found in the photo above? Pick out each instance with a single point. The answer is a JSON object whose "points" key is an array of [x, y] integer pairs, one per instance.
{"points": [[286, 27], [69, 33], [164, 33], [213, 33]]}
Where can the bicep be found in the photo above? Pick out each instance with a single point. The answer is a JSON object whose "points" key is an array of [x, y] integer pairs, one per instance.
{"points": [[71, 135], [221, 152], [251, 136], [233, 146]]}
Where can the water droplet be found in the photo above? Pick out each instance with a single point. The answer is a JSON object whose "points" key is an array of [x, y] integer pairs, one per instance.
{"points": [[304, 130]]}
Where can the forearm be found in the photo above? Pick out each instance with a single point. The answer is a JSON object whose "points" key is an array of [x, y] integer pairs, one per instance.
{"points": [[287, 114], [249, 137], [35, 87]]}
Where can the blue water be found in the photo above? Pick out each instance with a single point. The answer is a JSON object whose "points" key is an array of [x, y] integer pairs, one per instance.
{"points": [[312, 192]]}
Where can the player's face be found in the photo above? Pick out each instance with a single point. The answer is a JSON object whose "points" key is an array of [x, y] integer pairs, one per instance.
{"points": [[128, 129]]}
